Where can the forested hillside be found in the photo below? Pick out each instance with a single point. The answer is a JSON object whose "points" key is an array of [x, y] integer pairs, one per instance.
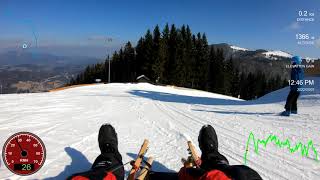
{"points": [[176, 56]]}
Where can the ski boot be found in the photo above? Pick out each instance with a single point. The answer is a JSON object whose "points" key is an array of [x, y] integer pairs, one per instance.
{"points": [[107, 138], [110, 159], [285, 113], [208, 143]]}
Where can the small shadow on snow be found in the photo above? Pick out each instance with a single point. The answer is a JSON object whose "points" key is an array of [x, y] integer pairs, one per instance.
{"points": [[156, 166], [234, 112], [79, 163]]}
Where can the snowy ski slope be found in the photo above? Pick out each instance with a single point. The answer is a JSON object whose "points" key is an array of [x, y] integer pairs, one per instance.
{"points": [[68, 122]]}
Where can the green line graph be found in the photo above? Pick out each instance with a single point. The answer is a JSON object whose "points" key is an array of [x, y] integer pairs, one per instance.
{"points": [[304, 149]]}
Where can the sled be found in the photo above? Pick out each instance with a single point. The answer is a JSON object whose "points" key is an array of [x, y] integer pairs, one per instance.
{"points": [[138, 161], [145, 170], [193, 160]]}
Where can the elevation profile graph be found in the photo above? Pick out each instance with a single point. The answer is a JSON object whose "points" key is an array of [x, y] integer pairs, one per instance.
{"points": [[304, 149]]}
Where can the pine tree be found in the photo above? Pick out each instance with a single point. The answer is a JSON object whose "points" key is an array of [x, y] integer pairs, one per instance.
{"points": [[211, 71], [144, 55], [179, 58], [204, 62], [158, 62], [164, 49], [235, 84], [172, 53], [140, 57], [243, 86], [148, 55], [129, 62], [228, 75], [188, 57], [219, 72]]}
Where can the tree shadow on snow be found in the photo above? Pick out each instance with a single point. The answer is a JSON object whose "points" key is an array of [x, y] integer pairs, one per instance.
{"points": [[78, 164], [156, 166], [273, 97], [168, 97]]}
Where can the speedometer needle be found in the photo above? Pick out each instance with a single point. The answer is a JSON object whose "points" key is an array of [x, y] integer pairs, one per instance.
{"points": [[19, 145], [23, 152]]}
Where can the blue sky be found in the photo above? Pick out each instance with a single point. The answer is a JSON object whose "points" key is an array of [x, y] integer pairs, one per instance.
{"points": [[82, 25]]}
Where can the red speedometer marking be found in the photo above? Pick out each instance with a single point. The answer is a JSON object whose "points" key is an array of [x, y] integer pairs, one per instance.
{"points": [[24, 153]]}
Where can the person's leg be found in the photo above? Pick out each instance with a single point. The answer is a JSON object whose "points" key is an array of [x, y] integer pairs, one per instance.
{"points": [[110, 160], [110, 157], [104, 164], [110, 163], [212, 160], [240, 172], [99, 173], [208, 143], [289, 101], [294, 108], [288, 104]]}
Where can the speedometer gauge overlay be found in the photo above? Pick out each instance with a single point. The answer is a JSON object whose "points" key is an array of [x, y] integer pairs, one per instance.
{"points": [[24, 153]]}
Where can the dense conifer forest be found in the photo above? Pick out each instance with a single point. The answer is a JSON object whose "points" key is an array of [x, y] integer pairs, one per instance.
{"points": [[176, 56]]}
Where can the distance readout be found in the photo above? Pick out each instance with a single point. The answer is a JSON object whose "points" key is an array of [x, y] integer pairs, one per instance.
{"points": [[305, 16]]}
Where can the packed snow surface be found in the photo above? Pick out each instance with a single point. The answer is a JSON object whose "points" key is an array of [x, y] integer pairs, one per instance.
{"points": [[269, 54], [68, 122]]}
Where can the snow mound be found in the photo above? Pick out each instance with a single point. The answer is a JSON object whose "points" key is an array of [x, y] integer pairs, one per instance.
{"points": [[236, 48], [272, 54]]}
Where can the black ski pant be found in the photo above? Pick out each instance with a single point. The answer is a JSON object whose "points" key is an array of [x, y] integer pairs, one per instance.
{"points": [[215, 160], [291, 104], [103, 164], [236, 172], [212, 161]]}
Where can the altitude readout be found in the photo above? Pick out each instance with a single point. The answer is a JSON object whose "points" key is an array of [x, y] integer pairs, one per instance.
{"points": [[305, 39], [301, 36], [24, 153]]}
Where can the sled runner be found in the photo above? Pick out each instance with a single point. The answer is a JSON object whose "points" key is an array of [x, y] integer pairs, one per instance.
{"points": [[145, 170], [193, 160], [138, 162]]}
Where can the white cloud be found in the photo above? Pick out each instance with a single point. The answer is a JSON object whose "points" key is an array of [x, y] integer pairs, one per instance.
{"points": [[100, 38], [294, 26]]}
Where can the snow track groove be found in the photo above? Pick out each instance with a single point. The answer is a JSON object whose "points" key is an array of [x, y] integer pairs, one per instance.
{"points": [[225, 137]]}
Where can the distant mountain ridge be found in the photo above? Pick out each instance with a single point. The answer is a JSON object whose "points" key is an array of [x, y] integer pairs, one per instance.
{"points": [[237, 52], [20, 70], [25, 57], [23, 71], [271, 62]]}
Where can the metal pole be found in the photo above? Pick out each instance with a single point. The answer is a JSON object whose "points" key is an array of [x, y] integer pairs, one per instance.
{"points": [[109, 71], [108, 39], [1, 88]]}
